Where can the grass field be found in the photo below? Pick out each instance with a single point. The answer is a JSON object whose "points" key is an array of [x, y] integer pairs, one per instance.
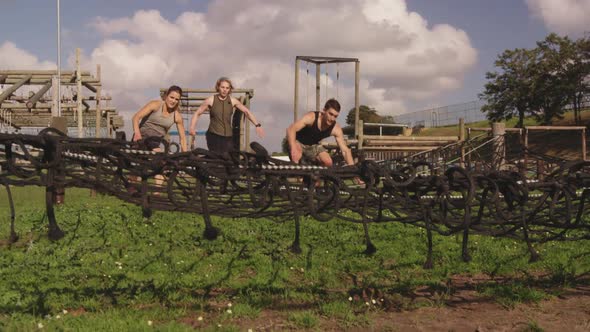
{"points": [[116, 271]]}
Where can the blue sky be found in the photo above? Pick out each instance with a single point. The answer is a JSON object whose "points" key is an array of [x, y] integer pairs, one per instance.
{"points": [[414, 54]]}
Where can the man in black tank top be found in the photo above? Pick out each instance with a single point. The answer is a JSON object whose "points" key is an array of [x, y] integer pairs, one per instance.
{"points": [[305, 134]]}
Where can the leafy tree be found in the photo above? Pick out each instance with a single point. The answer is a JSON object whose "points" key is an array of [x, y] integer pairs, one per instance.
{"points": [[508, 91], [575, 71], [539, 81]]}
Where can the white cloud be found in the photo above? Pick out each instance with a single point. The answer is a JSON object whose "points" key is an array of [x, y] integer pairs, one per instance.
{"points": [[402, 58], [14, 58], [562, 16]]}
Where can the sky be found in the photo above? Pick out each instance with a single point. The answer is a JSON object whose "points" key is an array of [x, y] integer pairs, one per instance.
{"points": [[414, 54]]}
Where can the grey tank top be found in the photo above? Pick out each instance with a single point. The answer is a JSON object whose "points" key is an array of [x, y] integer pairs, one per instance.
{"points": [[220, 115], [157, 122]]}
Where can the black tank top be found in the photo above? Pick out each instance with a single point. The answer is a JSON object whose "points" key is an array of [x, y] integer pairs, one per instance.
{"points": [[312, 135]]}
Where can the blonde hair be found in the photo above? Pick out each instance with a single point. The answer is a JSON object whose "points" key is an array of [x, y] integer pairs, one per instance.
{"points": [[224, 79]]}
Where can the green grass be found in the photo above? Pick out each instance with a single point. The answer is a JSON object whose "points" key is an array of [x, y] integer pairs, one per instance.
{"points": [[116, 271]]}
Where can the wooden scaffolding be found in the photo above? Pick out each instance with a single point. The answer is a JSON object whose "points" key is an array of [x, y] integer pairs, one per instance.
{"points": [[29, 99]]}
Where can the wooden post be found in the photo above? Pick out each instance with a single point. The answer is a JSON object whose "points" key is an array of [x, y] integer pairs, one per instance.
{"points": [[108, 125], [33, 100], [499, 150], [526, 146], [317, 87], [584, 144], [296, 95], [98, 96], [469, 155], [356, 96], [54, 95], [361, 135], [462, 140], [14, 87], [246, 122], [79, 96]]}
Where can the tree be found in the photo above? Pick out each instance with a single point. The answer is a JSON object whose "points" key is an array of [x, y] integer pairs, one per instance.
{"points": [[540, 81], [508, 92], [369, 115], [575, 72]]}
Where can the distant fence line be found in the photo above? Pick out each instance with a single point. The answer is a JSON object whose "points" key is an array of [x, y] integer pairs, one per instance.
{"points": [[450, 114]]}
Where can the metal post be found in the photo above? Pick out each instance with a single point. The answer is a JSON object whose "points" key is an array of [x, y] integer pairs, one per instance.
{"points": [[356, 96], [79, 95], [58, 62]]}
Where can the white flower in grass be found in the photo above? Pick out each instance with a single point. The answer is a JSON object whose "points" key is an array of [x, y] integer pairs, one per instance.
{"points": [[229, 305], [367, 303], [64, 311], [218, 325], [40, 325], [229, 311], [57, 316], [373, 301], [150, 322], [250, 330], [350, 298], [200, 318]]}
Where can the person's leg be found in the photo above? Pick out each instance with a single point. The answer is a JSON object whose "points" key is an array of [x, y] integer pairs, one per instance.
{"points": [[298, 159], [228, 144], [324, 159], [210, 138]]}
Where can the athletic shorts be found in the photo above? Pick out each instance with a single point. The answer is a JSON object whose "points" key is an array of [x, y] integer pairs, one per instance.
{"points": [[219, 144], [311, 152], [150, 143]]}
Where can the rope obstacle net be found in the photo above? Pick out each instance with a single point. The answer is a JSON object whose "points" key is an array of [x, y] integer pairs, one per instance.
{"points": [[467, 187]]}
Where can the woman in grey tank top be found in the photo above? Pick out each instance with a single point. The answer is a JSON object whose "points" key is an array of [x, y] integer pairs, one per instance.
{"points": [[157, 116]]}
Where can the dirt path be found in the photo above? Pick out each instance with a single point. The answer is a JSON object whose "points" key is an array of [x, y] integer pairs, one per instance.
{"points": [[465, 310]]}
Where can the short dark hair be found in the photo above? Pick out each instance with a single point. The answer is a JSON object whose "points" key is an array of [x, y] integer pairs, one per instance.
{"points": [[333, 104]]}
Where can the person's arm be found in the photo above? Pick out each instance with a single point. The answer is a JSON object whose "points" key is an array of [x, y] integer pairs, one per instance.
{"points": [[180, 128], [294, 147], [237, 104], [143, 112], [204, 106], [346, 153]]}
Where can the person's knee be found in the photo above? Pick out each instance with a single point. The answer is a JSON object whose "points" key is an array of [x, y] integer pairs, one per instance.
{"points": [[325, 159]]}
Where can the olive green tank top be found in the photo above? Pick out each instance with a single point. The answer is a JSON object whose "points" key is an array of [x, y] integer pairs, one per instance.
{"points": [[220, 116]]}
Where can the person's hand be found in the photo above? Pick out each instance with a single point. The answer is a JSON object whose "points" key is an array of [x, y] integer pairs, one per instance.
{"points": [[296, 152], [260, 132], [192, 142], [358, 181], [136, 136], [192, 132]]}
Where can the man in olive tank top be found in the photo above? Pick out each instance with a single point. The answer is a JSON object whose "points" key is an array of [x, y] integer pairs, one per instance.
{"points": [[305, 134]]}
